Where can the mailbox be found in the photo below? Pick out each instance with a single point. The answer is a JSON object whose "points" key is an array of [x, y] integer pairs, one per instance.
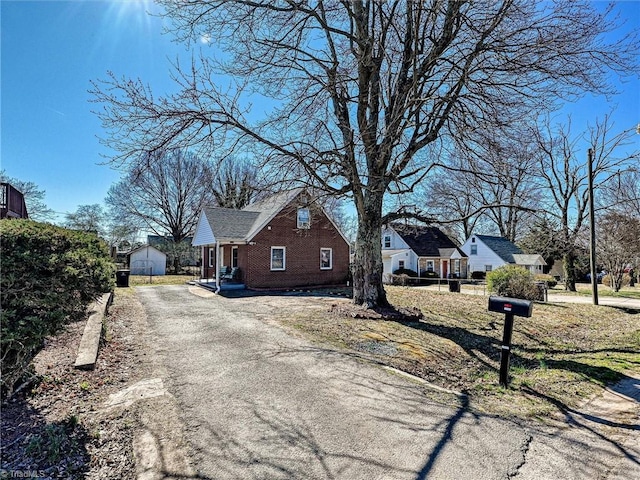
{"points": [[510, 307], [513, 306]]}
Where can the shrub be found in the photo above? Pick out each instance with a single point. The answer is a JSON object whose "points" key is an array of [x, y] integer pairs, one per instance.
{"points": [[548, 279], [401, 279], [427, 278], [49, 277], [513, 281], [610, 281], [406, 271], [428, 274], [478, 275], [404, 276]]}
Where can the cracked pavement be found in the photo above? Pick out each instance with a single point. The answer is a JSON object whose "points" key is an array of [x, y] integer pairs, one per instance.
{"points": [[258, 403]]}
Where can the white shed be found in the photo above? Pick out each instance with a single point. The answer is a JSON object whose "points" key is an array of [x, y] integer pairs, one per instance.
{"points": [[147, 260]]}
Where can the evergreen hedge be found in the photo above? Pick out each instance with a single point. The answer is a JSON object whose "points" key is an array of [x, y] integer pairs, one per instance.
{"points": [[49, 277]]}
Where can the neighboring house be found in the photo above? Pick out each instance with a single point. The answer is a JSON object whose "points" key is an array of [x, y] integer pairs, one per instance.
{"points": [[283, 241], [12, 204], [486, 253], [147, 260], [425, 250]]}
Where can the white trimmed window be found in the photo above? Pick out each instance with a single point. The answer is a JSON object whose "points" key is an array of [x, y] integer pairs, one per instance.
{"points": [[326, 258], [387, 241], [456, 266], [474, 249], [488, 268], [304, 218], [278, 258], [430, 266], [400, 264]]}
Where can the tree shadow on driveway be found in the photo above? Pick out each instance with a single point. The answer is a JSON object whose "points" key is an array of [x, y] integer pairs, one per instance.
{"points": [[416, 437]]}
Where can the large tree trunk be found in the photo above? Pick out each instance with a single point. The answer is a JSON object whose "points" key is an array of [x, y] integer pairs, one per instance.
{"points": [[569, 266], [368, 289]]}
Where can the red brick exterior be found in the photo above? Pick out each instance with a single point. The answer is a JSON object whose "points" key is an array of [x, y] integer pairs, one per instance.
{"points": [[302, 254]]}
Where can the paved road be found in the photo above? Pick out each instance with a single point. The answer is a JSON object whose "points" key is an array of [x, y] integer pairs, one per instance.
{"points": [[621, 302], [259, 403]]}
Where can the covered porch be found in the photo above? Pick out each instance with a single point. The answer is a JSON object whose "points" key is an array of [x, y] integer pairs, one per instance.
{"points": [[222, 235], [449, 264], [220, 268]]}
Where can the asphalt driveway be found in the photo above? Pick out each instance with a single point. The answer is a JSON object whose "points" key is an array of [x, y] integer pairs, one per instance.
{"points": [[259, 403]]}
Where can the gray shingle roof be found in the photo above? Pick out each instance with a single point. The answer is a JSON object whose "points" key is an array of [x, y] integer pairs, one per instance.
{"points": [[426, 241], [501, 246], [528, 259], [229, 224], [269, 208]]}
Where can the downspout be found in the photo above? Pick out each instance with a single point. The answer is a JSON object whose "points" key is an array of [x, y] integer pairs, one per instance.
{"points": [[203, 260], [217, 267]]}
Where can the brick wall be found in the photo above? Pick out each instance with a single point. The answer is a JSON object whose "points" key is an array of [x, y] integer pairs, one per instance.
{"points": [[302, 257]]}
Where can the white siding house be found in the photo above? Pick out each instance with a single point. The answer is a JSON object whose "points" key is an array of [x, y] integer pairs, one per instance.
{"points": [[534, 263], [482, 258], [424, 249], [487, 253], [396, 253], [147, 260]]}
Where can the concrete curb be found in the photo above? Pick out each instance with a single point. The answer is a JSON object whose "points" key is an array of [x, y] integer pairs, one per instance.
{"points": [[88, 349]]}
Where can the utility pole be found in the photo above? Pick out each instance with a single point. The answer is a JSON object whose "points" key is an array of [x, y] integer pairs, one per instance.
{"points": [[592, 227]]}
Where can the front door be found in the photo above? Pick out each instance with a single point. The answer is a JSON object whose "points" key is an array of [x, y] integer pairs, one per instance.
{"points": [[445, 269]]}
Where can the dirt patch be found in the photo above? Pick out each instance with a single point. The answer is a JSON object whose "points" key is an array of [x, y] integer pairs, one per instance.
{"points": [[84, 424], [400, 314]]}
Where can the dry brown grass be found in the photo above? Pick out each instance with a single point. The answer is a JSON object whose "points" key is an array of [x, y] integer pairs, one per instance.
{"points": [[561, 355], [140, 280]]}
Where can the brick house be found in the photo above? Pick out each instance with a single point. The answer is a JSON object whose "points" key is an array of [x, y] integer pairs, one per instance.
{"points": [[283, 241]]}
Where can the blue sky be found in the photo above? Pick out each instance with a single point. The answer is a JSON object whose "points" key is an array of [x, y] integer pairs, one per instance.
{"points": [[51, 50]]}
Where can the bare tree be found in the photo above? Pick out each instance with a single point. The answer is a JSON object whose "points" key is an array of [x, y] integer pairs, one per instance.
{"points": [[618, 245], [622, 193], [235, 183], [451, 196], [33, 197], [88, 218], [124, 236], [490, 185], [566, 179], [621, 196], [165, 199], [365, 90], [506, 181]]}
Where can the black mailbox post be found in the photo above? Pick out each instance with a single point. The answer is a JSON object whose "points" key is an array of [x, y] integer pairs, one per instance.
{"points": [[510, 307]]}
